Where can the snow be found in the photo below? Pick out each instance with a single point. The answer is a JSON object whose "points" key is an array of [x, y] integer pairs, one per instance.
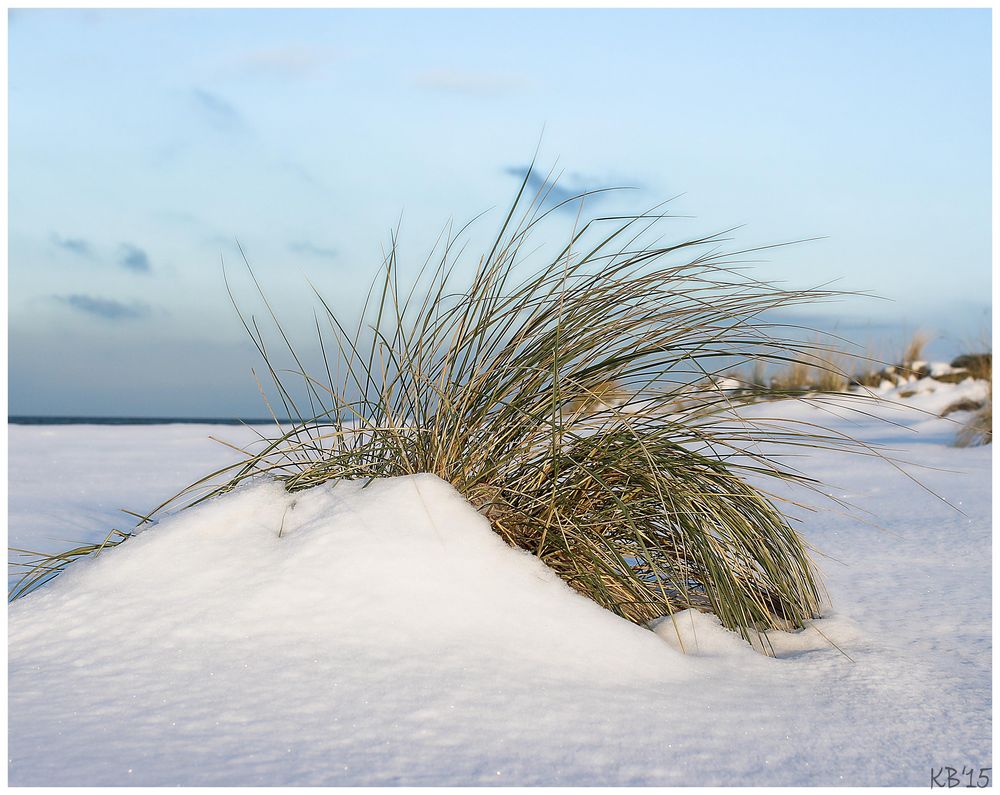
{"points": [[386, 636], [69, 483], [932, 395]]}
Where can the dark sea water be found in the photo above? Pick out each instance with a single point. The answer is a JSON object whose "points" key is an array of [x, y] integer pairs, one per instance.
{"points": [[23, 420]]}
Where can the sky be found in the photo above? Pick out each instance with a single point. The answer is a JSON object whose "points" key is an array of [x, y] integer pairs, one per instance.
{"points": [[143, 143]]}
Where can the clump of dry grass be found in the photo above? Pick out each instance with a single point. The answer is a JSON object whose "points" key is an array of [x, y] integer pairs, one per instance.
{"points": [[868, 378], [914, 351], [975, 365], [978, 430], [796, 376], [829, 374], [909, 365], [965, 404], [601, 396], [552, 398], [819, 367]]}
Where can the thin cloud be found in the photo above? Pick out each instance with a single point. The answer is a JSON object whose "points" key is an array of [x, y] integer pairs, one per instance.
{"points": [[134, 258], [564, 188], [312, 250], [75, 245], [106, 308], [180, 217], [290, 61], [220, 113], [473, 84], [166, 154], [302, 173]]}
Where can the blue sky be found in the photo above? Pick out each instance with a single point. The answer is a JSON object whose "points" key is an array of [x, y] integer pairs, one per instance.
{"points": [[142, 143]]}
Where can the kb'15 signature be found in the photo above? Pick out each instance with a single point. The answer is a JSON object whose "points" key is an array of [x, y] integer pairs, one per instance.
{"points": [[960, 777]]}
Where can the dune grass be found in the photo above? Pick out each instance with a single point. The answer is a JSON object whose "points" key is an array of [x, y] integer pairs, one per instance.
{"points": [[976, 365], [793, 377], [828, 367], [913, 352], [649, 503], [978, 429], [818, 367]]}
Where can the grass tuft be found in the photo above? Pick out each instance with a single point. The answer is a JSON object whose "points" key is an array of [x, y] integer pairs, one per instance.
{"points": [[819, 368], [975, 365], [557, 396], [978, 430], [913, 353]]}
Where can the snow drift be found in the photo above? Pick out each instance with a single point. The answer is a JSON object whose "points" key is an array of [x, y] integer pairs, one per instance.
{"points": [[405, 566], [386, 635], [263, 607]]}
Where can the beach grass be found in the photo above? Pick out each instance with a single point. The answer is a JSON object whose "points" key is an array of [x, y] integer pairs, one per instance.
{"points": [[570, 399], [978, 429]]}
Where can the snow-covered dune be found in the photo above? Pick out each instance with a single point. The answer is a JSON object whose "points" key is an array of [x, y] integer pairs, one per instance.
{"points": [[386, 635]]}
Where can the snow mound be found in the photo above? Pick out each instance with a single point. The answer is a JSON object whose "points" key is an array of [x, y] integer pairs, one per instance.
{"points": [[702, 635], [262, 636], [404, 566], [928, 394]]}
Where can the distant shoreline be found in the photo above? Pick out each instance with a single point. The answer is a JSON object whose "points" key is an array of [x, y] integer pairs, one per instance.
{"points": [[32, 420]]}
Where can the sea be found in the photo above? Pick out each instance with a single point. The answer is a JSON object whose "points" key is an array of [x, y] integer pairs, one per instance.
{"points": [[33, 420]]}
